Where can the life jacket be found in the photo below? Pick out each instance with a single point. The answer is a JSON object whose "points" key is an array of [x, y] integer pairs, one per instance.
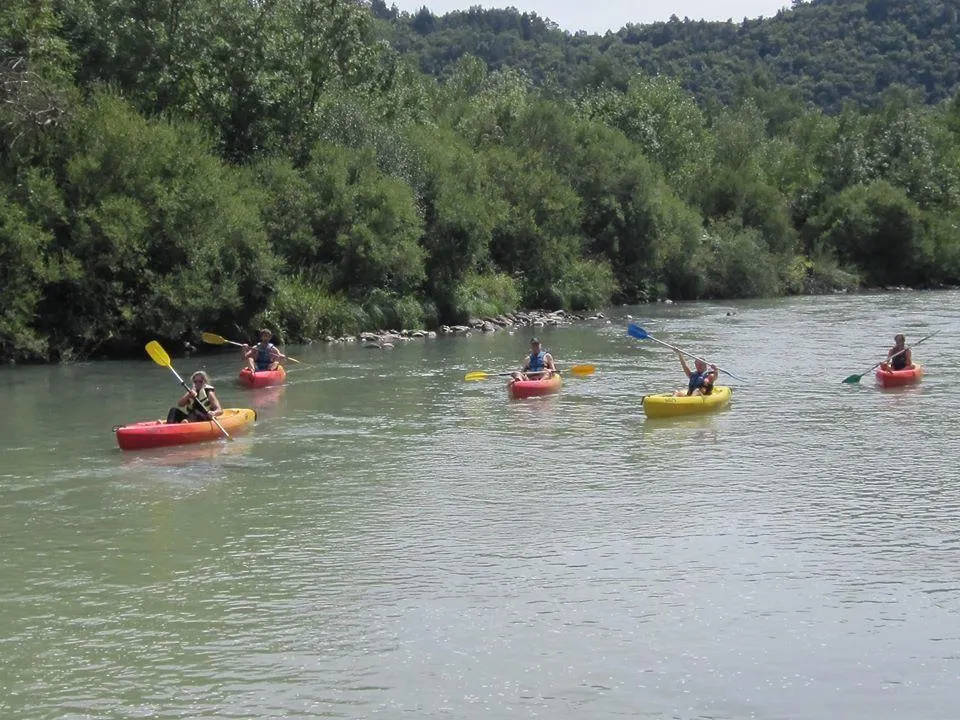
{"points": [[700, 381], [537, 361], [899, 362], [201, 402], [264, 356]]}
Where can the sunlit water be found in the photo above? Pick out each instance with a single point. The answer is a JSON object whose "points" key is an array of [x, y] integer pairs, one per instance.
{"points": [[390, 541]]}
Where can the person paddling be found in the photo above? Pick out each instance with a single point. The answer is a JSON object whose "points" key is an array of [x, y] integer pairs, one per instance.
{"points": [[899, 356], [539, 364], [199, 404], [700, 380], [264, 355]]}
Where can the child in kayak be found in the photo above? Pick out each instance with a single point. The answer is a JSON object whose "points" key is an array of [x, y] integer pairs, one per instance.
{"points": [[199, 403], [899, 356], [264, 355], [538, 365], [700, 381]]}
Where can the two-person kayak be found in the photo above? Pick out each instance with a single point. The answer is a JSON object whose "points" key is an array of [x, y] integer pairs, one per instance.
{"points": [[157, 433]]}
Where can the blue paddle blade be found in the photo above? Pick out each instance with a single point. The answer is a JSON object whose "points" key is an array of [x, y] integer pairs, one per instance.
{"points": [[636, 331]]}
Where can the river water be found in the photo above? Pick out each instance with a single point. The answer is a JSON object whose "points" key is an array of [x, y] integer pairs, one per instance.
{"points": [[390, 541]]}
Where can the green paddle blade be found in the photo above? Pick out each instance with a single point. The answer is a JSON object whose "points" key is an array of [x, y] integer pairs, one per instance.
{"points": [[852, 379]]}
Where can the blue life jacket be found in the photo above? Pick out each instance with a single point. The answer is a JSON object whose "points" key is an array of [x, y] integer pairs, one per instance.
{"points": [[699, 380], [264, 356], [537, 361]]}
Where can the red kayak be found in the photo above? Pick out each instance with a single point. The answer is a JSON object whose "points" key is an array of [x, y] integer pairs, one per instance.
{"points": [[157, 433], [889, 377], [262, 378], [531, 388]]}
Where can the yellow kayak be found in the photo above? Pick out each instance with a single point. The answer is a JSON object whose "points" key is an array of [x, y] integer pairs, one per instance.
{"points": [[667, 405]]}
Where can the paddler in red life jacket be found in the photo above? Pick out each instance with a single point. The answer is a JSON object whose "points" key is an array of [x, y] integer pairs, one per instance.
{"points": [[899, 356], [264, 355], [699, 381], [199, 404], [538, 365]]}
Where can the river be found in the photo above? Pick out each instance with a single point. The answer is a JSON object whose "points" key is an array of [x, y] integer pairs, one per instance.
{"points": [[390, 541]]}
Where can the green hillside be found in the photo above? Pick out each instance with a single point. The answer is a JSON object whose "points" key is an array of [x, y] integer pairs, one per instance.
{"points": [[825, 51]]}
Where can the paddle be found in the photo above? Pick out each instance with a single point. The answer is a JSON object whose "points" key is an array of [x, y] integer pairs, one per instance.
{"points": [[214, 339], [160, 357], [854, 379], [575, 370], [634, 330]]}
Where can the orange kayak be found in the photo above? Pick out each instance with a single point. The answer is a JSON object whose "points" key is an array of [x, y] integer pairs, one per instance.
{"points": [[888, 377], [157, 433], [262, 378], [531, 388]]}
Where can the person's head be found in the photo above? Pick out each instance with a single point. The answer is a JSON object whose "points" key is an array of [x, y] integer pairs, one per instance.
{"points": [[899, 340], [265, 335], [535, 344], [200, 378], [700, 365]]}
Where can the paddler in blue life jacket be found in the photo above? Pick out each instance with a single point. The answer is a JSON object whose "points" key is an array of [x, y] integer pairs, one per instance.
{"points": [[198, 404], [538, 365], [264, 355], [700, 380]]}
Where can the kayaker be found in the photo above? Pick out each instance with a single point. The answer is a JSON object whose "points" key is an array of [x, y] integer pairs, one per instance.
{"points": [[700, 380], [899, 356], [198, 404], [539, 364], [264, 355]]}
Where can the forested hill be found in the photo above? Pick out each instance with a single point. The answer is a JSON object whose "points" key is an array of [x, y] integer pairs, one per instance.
{"points": [[827, 51], [225, 165]]}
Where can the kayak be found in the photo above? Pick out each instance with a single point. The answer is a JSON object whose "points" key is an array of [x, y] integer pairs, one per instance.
{"points": [[531, 388], [667, 405], [888, 377], [157, 433], [262, 378]]}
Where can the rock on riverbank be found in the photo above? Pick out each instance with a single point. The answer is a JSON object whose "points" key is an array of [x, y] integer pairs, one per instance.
{"points": [[388, 339]]}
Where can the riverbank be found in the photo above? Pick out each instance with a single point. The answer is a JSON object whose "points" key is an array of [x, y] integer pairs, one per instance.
{"points": [[388, 339]]}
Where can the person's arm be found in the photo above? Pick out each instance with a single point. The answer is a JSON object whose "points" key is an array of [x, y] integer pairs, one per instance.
{"points": [[182, 402], [215, 408], [526, 364], [909, 357], [548, 362], [276, 354], [247, 351], [683, 364]]}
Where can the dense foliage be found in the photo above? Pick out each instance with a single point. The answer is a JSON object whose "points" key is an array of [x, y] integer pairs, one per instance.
{"points": [[827, 52], [170, 167]]}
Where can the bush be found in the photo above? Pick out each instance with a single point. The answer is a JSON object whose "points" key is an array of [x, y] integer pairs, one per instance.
{"points": [[742, 266], [302, 310], [586, 285], [386, 310], [485, 295]]}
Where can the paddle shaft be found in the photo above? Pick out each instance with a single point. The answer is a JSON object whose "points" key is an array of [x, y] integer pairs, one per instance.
{"points": [[690, 355]]}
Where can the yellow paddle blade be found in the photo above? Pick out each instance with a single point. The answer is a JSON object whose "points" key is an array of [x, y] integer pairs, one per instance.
{"points": [[158, 354], [213, 338], [476, 375], [583, 369]]}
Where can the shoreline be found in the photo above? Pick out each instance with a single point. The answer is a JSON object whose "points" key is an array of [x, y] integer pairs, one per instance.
{"points": [[190, 344]]}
